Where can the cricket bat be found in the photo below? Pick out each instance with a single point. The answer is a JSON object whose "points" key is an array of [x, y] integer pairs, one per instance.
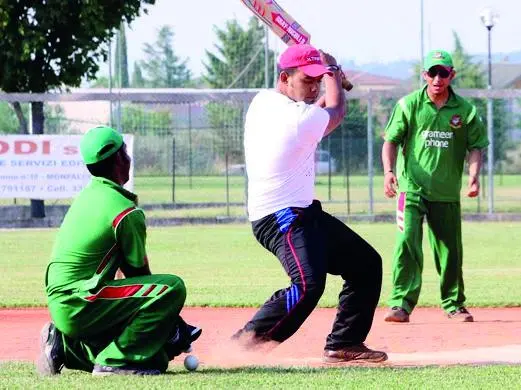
{"points": [[283, 25]]}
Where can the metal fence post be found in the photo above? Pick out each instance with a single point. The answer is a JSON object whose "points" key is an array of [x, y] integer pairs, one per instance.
{"points": [[111, 114], [227, 183], [490, 159], [36, 123], [190, 158], [173, 170], [118, 117], [370, 157]]}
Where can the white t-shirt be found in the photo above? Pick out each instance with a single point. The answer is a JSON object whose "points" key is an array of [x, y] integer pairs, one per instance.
{"points": [[280, 140]]}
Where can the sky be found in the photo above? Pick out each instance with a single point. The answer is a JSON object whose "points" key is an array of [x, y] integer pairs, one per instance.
{"points": [[360, 31]]}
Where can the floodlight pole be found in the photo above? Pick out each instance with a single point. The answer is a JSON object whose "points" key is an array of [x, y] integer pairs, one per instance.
{"points": [[489, 18], [110, 83], [490, 130]]}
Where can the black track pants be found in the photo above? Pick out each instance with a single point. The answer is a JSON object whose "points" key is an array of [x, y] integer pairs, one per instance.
{"points": [[310, 243]]}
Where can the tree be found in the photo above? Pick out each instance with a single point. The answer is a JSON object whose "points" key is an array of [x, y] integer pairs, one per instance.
{"points": [[8, 121], [348, 143], [152, 124], [163, 68], [238, 63], [100, 82], [121, 63], [46, 45], [226, 120], [146, 121], [469, 73], [138, 81], [238, 49], [55, 120]]}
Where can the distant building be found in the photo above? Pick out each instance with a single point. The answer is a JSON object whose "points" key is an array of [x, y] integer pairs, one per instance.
{"points": [[82, 115], [364, 81], [507, 75]]}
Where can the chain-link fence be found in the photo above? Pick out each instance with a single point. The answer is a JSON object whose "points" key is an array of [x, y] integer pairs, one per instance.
{"points": [[188, 147]]}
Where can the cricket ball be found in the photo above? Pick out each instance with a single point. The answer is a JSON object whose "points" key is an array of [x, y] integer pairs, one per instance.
{"points": [[191, 363]]}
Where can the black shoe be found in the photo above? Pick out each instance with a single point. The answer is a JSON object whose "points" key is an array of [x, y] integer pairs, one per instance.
{"points": [[52, 356], [461, 314], [181, 342], [100, 370]]}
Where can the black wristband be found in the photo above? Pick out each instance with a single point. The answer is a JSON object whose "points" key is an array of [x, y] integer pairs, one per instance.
{"points": [[333, 68]]}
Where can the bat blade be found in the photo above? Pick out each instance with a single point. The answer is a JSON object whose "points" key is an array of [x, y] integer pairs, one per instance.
{"points": [[279, 21], [283, 25]]}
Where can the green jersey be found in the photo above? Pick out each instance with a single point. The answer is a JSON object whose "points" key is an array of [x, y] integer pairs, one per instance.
{"points": [[433, 143], [102, 228]]}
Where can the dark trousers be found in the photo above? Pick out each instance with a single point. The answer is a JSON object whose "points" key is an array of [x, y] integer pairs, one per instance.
{"points": [[310, 243]]}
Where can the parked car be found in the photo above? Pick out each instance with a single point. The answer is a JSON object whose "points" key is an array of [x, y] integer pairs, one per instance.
{"points": [[236, 169], [322, 161]]}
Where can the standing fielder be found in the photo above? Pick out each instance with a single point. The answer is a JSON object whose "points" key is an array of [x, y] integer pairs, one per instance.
{"points": [[282, 131], [434, 130], [102, 325]]}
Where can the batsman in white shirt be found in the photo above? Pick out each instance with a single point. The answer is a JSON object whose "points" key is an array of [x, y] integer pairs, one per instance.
{"points": [[282, 130]]}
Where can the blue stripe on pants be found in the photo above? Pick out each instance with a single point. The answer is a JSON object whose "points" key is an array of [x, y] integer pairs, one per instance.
{"points": [[292, 297]]}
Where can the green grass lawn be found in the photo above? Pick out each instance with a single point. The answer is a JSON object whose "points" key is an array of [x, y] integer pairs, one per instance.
{"points": [[214, 260], [22, 376]]}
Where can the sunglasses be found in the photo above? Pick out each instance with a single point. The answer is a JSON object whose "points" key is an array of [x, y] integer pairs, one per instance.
{"points": [[442, 72]]}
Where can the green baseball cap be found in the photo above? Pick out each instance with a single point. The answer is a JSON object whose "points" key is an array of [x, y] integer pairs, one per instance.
{"points": [[100, 143], [437, 57]]}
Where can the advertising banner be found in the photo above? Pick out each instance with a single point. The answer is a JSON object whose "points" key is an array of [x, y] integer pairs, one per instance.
{"points": [[45, 166]]}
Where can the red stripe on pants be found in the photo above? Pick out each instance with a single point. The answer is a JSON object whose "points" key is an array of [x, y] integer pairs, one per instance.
{"points": [[115, 292]]}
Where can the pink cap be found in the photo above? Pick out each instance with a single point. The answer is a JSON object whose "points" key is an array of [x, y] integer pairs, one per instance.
{"points": [[304, 57]]}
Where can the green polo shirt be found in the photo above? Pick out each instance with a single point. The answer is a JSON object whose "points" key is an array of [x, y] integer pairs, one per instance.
{"points": [[102, 228], [433, 143]]}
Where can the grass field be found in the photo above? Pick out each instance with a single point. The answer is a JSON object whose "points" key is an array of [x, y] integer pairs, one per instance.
{"points": [[219, 263], [214, 260], [199, 189], [22, 376]]}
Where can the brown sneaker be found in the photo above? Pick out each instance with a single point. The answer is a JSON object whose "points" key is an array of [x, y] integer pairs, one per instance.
{"points": [[461, 315], [356, 353], [397, 314]]}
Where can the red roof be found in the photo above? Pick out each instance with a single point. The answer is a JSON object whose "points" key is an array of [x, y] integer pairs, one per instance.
{"points": [[365, 78]]}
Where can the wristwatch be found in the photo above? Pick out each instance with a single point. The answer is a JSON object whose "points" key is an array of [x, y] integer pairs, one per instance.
{"points": [[333, 68]]}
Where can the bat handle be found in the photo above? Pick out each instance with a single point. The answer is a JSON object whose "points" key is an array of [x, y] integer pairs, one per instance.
{"points": [[346, 84]]}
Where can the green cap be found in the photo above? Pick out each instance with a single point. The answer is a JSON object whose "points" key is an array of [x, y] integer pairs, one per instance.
{"points": [[437, 57], [100, 143]]}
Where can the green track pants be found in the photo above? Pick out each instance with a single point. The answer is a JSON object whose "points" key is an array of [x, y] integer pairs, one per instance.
{"points": [[444, 222], [126, 322]]}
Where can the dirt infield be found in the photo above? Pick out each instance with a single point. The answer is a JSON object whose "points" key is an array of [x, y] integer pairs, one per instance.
{"points": [[429, 338]]}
